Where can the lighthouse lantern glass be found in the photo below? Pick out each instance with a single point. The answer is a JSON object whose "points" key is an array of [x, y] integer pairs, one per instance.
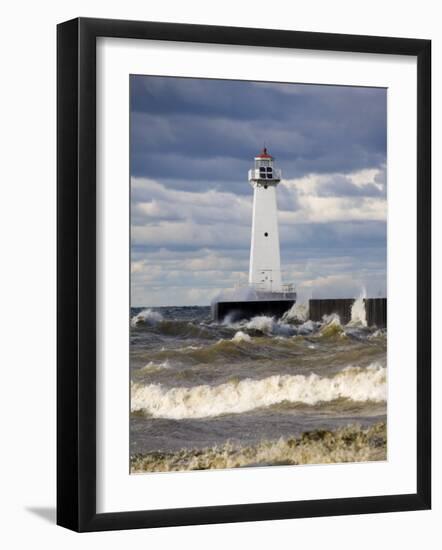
{"points": [[260, 163]]}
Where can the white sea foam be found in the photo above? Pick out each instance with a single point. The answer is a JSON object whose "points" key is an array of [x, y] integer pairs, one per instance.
{"points": [[331, 326], [241, 336], [354, 383], [239, 294], [379, 333], [146, 316], [298, 312], [307, 327], [358, 313], [152, 367], [268, 325], [347, 444], [261, 323], [332, 319]]}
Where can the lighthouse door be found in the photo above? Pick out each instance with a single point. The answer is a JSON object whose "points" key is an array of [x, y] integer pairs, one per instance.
{"points": [[266, 279]]}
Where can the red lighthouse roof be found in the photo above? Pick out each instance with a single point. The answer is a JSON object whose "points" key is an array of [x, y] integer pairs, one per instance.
{"points": [[264, 154]]}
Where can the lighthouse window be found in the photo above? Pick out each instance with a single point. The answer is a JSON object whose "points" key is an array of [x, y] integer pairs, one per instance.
{"points": [[269, 174], [269, 169], [262, 172]]}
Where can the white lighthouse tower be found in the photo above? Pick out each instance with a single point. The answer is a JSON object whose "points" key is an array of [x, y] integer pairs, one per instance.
{"points": [[265, 262], [266, 294]]}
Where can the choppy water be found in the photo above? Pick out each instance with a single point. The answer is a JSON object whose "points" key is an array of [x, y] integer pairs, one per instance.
{"points": [[210, 395]]}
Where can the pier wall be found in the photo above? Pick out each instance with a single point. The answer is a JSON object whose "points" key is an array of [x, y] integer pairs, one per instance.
{"points": [[375, 308]]}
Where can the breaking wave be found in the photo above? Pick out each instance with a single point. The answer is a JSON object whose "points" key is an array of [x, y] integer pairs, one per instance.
{"points": [[154, 322], [154, 367], [263, 324], [358, 313], [241, 336], [307, 328], [332, 326], [234, 397], [146, 316], [296, 323], [349, 444], [293, 323], [297, 313]]}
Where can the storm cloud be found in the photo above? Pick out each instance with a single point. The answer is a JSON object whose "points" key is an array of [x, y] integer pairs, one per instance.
{"points": [[192, 142]]}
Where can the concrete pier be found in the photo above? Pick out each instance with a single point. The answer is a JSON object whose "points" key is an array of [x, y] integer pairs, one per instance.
{"points": [[375, 309]]}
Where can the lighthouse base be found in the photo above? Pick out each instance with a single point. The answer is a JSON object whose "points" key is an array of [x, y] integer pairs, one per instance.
{"points": [[236, 311]]}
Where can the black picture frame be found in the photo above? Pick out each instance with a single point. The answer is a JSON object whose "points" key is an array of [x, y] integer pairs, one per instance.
{"points": [[77, 287]]}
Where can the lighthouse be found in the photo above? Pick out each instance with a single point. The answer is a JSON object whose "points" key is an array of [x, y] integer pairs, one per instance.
{"points": [[265, 293], [265, 262]]}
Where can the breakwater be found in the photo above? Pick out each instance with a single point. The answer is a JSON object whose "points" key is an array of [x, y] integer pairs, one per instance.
{"points": [[375, 310]]}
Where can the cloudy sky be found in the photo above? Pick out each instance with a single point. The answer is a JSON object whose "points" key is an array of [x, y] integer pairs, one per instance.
{"points": [[192, 143]]}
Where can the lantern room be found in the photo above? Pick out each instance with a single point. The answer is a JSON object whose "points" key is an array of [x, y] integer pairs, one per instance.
{"points": [[264, 171]]}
